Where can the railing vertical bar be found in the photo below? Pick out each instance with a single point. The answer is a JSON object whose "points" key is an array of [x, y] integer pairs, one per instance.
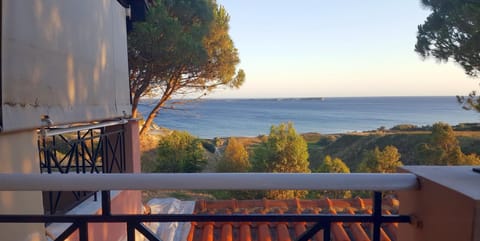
{"points": [[122, 151], [130, 231], [83, 231], [101, 145], [92, 155], [81, 138], [92, 148], [377, 214], [53, 154], [106, 150], [326, 232], [119, 150], [39, 153], [106, 207], [312, 231], [46, 154], [67, 232], [77, 164], [123, 148], [51, 202]]}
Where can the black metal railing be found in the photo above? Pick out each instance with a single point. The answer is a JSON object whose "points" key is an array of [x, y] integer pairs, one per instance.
{"points": [[208, 181], [94, 150], [135, 222]]}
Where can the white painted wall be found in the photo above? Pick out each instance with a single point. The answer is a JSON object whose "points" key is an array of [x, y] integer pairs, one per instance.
{"points": [[19, 155], [63, 58]]}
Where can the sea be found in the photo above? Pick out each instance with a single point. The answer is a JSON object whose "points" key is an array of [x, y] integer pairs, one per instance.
{"points": [[209, 118]]}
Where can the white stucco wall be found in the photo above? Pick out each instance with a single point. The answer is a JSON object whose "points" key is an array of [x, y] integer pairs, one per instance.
{"points": [[19, 154], [63, 58]]}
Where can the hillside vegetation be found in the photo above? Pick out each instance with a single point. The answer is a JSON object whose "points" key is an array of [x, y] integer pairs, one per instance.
{"points": [[351, 147], [285, 151]]}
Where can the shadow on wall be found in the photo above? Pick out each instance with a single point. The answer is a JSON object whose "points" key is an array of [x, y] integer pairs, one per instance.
{"points": [[66, 59]]}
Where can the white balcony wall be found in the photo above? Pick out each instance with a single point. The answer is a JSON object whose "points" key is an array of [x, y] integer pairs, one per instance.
{"points": [[19, 155], [63, 58]]}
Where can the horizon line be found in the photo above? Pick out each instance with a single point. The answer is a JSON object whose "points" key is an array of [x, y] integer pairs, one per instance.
{"points": [[306, 97]]}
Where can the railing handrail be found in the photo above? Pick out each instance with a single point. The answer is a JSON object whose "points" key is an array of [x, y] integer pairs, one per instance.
{"points": [[208, 181], [60, 131]]}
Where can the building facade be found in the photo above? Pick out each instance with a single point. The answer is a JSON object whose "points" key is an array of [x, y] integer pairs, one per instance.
{"points": [[64, 75]]}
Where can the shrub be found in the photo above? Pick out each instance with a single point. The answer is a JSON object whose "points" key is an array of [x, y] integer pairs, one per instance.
{"points": [[209, 146], [180, 152], [235, 158], [383, 161], [283, 151], [404, 127]]}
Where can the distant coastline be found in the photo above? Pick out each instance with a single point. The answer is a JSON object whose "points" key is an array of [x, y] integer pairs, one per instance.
{"points": [[453, 97], [211, 118]]}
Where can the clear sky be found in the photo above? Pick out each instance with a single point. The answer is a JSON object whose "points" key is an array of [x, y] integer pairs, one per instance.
{"points": [[318, 48]]}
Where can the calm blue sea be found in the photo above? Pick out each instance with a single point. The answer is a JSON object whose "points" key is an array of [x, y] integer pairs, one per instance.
{"points": [[251, 117]]}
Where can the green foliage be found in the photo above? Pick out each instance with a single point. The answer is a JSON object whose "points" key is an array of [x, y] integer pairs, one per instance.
{"points": [[443, 148], [382, 161], [326, 140], [235, 158], [351, 147], [470, 102], [236, 194], [218, 141], [443, 136], [335, 165], [466, 127], [182, 48], [209, 146], [469, 144], [404, 127], [283, 151], [180, 152], [452, 31]]}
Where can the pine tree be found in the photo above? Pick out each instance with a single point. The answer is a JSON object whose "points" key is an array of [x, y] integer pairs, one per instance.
{"points": [[182, 49]]}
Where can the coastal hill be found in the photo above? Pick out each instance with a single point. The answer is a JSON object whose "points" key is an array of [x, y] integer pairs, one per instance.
{"points": [[349, 147]]}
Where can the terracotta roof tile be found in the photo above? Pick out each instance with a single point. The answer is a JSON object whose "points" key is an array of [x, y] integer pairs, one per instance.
{"points": [[390, 228], [245, 232], [287, 231], [319, 235], [357, 230], [193, 227]]}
